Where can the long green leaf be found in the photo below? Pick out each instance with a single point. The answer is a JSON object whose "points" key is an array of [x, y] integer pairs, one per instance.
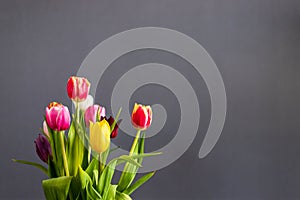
{"points": [[138, 183], [106, 177], [130, 159], [128, 172], [39, 166]]}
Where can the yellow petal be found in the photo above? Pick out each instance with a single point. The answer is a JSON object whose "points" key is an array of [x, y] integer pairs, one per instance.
{"points": [[136, 106], [100, 136]]}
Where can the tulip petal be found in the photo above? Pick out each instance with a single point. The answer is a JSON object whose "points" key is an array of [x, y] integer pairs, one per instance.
{"points": [[99, 136], [140, 117]]}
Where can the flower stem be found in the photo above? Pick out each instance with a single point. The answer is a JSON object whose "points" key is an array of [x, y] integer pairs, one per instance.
{"points": [[135, 142], [101, 166], [65, 161]]}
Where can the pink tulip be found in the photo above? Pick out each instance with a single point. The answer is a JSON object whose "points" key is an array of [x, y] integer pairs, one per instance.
{"points": [[58, 116], [78, 88], [91, 114]]}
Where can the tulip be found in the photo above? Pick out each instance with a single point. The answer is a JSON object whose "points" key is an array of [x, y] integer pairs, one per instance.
{"points": [[113, 130], [141, 116], [78, 88], [99, 136], [92, 112], [45, 128], [42, 147], [86, 103], [58, 117]]}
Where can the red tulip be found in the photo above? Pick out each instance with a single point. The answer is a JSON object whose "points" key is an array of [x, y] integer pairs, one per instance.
{"points": [[141, 116], [58, 116], [78, 88]]}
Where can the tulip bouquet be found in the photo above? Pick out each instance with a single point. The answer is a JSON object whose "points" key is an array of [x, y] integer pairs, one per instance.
{"points": [[76, 149]]}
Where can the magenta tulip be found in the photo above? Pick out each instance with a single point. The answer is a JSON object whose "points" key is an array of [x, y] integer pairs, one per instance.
{"points": [[58, 117]]}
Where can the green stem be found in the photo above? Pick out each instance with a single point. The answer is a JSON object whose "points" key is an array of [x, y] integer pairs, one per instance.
{"points": [[101, 166], [135, 142], [65, 161]]}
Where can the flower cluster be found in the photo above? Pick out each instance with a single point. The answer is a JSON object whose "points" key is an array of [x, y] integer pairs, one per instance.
{"points": [[76, 148]]}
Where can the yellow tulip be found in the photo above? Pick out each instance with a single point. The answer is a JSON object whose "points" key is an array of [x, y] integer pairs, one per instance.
{"points": [[99, 135]]}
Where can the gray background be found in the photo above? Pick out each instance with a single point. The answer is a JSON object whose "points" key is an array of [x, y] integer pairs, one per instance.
{"points": [[255, 44]]}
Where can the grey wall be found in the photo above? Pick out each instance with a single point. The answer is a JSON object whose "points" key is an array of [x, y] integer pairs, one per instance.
{"points": [[255, 44]]}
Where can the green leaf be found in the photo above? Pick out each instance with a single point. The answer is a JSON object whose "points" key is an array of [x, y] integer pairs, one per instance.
{"points": [[129, 159], [71, 138], [106, 177], [116, 119], [130, 170], [39, 166], [138, 183], [92, 192], [84, 177], [57, 188], [92, 166], [128, 175], [145, 155], [86, 156], [75, 148], [112, 192], [95, 176], [122, 196], [79, 182], [75, 187]]}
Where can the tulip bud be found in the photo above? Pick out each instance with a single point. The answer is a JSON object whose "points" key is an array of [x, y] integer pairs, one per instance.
{"points": [[141, 116], [92, 112], [45, 128], [78, 88], [58, 116], [42, 147], [99, 136]]}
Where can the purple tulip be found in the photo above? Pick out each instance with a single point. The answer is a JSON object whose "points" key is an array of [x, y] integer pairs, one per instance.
{"points": [[42, 147]]}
